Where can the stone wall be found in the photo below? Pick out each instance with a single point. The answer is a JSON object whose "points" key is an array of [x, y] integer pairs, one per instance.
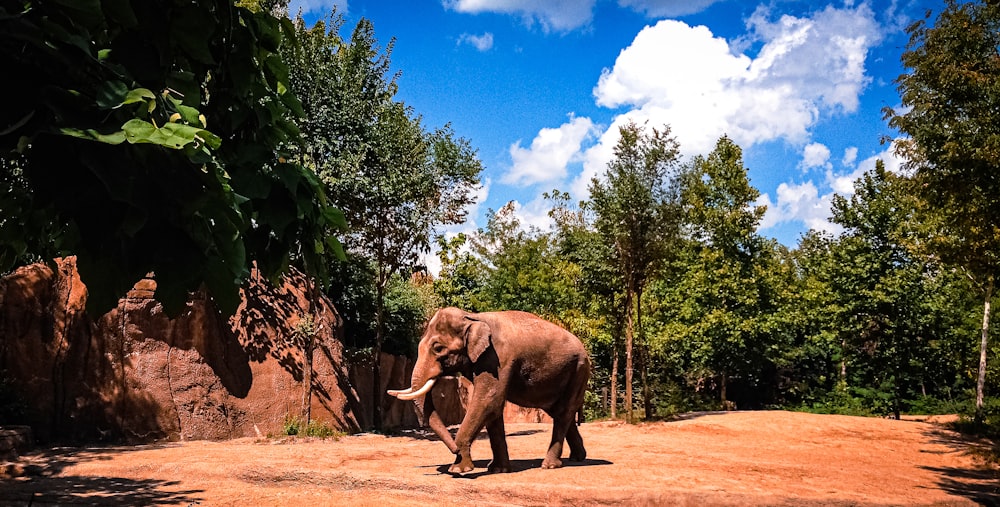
{"points": [[135, 374]]}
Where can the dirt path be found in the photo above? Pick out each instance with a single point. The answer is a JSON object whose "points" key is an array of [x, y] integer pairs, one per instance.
{"points": [[738, 458]]}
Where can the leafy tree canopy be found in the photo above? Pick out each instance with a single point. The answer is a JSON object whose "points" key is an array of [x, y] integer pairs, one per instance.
{"points": [[148, 137]]}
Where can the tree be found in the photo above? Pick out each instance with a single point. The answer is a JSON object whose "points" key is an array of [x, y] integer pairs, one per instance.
{"points": [[594, 311], [547, 289], [951, 112], [148, 137], [728, 266], [880, 283], [462, 276], [636, 211], [395, 180]]}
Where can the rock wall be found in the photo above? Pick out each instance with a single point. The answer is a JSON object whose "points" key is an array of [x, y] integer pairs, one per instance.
{"points": [[135, 374]]}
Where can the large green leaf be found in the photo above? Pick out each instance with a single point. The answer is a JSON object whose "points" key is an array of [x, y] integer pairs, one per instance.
{"points": [[93, 135], [335, 218], [171, 135], [111, 94]]}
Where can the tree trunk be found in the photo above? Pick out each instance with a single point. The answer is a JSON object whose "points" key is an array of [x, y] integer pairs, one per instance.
{"points": [[722, 389], [843, 361], [983, 347], [629, 331], [308, 348], [307, 378], [614, 380], [377, 393], [647, 404]]}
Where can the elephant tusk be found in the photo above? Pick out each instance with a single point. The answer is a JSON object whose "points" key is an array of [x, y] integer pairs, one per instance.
{"points": [[418, 393], [392, 392]]}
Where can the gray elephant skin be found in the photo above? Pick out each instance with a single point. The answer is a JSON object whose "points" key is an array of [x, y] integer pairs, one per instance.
{"points": [[513, 356]]}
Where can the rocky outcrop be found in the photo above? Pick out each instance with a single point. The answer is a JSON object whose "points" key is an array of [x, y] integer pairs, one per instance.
{"points": [[136, 374]]}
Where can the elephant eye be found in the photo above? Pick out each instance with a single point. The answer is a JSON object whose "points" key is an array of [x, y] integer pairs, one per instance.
{"points": [[438, 349]]}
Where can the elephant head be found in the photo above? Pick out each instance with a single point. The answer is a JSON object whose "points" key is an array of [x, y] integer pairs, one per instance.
{"points": [[453, 341]]}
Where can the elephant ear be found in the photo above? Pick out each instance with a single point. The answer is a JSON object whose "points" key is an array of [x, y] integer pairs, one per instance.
{"points": [[477, 339]]}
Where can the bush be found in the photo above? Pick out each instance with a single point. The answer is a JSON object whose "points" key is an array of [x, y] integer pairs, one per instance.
{"points": [[293, 426]]}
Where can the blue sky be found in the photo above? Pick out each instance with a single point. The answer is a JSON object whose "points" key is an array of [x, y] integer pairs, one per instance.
{"points": [[540, 87]]}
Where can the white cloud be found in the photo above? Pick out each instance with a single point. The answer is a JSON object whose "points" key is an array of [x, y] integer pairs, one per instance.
{"points": [[666, 8], [482, 42], [534, 214], [850, 156], [317, 6], [685, 76], [557, 15], [567, 15], [806, 69], [798, 202], [815, 155], [803, 202], [550, 153]]}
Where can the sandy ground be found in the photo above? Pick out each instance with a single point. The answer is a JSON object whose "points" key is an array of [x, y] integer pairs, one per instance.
{"points": [[736, 458]]}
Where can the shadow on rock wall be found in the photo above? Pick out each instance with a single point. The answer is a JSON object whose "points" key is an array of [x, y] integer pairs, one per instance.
{"points": [[137, 375]]}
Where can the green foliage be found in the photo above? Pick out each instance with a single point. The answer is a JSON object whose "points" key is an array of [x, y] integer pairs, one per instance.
{"points": [[462, 275], [295, 426], [546, 289], [395, 180], [950, 112], [149, 137], [406, 308], [717, 301], [637, 214], [291, 426], [865, 323]]}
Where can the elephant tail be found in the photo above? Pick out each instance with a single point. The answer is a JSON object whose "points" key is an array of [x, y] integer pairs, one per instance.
{"points": [[580, 418]]}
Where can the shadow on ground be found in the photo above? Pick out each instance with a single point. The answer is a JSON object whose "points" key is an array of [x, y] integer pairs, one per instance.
{"points": [[519, 465], [979, 484], [427, 434], [43, 483]]}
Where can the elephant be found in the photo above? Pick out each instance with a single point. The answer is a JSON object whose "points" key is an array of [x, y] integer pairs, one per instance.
{"points": [[509, 355]]}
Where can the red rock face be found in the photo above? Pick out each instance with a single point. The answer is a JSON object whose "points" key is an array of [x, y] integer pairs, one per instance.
{"points": [[137, 375]]}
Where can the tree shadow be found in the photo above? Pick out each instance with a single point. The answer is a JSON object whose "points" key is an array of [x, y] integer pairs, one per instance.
{"points": [[687, 416], [979, 484], [43, 482]]}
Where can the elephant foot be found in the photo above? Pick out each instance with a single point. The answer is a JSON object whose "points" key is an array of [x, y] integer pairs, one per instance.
{"points": [[580, 455], [499, 468], [551, 463], [462, 465]]}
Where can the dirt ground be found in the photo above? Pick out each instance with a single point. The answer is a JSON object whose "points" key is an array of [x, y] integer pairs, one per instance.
{"points": [[735, 458]]}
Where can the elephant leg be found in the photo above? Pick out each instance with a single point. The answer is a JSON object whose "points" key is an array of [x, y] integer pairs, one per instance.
{"points": [[486, 404], [576, 450], [564, 421], [498, 442], [437, 425], [560, 427], [471, 426]]}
